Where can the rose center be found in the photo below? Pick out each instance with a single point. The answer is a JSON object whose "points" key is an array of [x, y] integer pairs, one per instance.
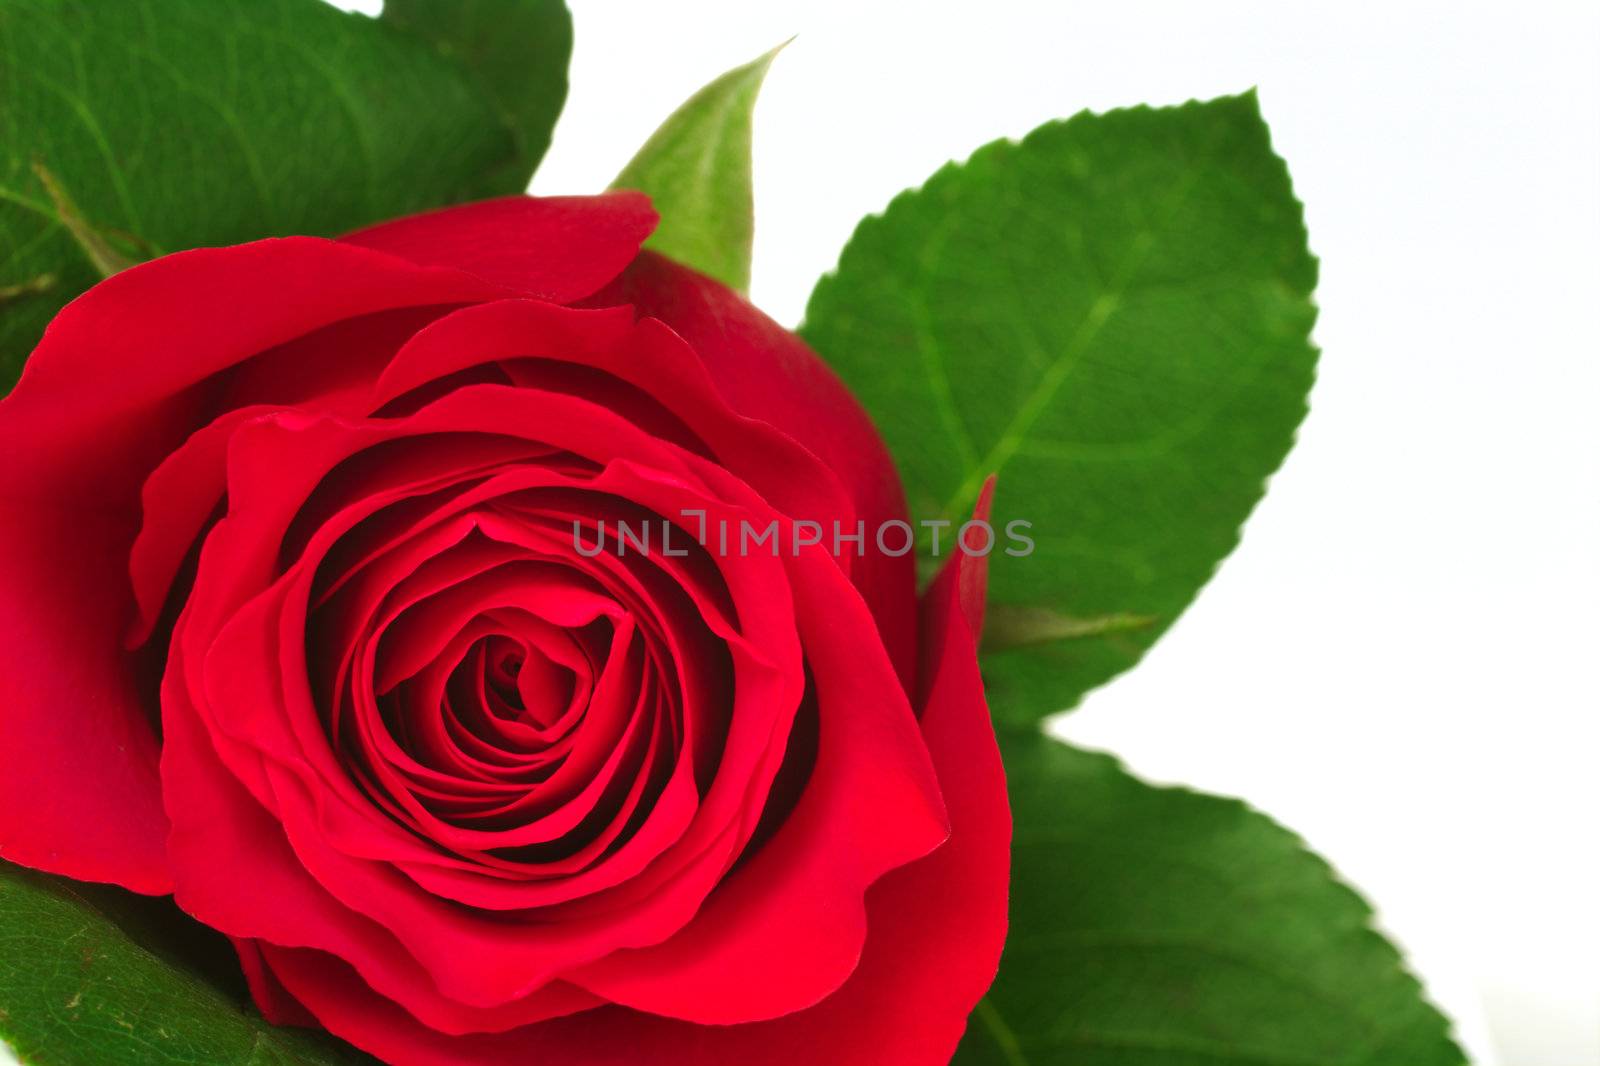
{"points": [[521, 683]]}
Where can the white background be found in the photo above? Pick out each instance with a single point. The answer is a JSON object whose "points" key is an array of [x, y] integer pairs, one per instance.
{"points": [[1400, 660]]}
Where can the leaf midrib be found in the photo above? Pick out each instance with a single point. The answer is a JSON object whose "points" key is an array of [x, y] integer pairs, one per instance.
{"points": [[1101, 310]]}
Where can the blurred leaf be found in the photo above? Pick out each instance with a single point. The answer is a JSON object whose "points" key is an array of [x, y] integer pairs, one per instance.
{"points": [[175, 124], [1113, 315], [696, 170], [103, 255], [1162, 927], [517, 52], [77, 990], [1006, 627]]}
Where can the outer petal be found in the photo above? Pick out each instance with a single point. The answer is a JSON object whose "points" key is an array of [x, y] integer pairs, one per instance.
{"points": [[78, 790], [109, 392], [937, 927], [559, 248], [768, 373], [869, 807]]}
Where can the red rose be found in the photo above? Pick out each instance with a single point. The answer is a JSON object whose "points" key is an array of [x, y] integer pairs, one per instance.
{"points": [[302, 619]]}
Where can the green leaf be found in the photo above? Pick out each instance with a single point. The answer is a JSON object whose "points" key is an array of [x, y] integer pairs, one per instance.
{"points": [[1113, 316], [78, 990], [696, 170], [1006, 627], [516, 51], [1161, 927], [171, 124], [103, 255]]}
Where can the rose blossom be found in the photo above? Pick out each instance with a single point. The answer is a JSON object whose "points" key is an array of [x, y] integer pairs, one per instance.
{"points": [[292, 626]]}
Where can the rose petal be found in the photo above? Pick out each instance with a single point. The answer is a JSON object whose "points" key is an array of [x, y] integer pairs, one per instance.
{"points": [[79, 793], [768, 373], [559, 248], [937, 927], [92, 434], [871, 805], [84, 436]]}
